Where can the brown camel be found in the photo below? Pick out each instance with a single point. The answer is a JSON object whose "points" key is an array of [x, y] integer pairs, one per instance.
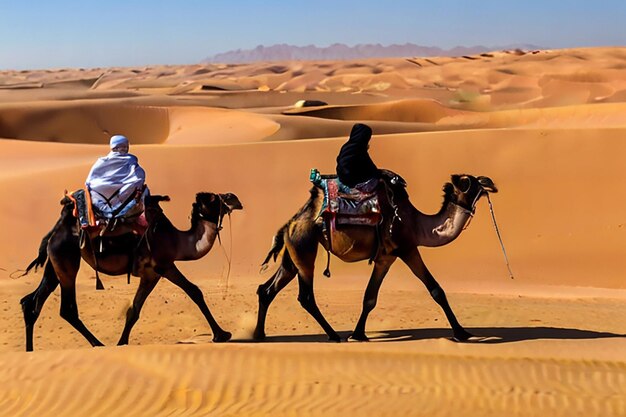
{"points": [[350, 243], [149, 257]]}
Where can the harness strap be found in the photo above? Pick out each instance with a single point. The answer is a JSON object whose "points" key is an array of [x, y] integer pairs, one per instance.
{"points": [[127, 201], [376, 249], [131, 259], [327, 270], [330, 228], [91, 216], [108, 200], [99, 285]]}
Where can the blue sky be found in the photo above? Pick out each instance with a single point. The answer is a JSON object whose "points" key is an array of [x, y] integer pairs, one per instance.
{"points": [[69, 33]]}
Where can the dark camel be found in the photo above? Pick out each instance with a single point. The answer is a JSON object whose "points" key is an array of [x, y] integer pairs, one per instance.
{"points": [[301, 234], [149, 257]]}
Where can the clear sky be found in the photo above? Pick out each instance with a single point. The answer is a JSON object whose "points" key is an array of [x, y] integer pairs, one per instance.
{"points": [[71, 33]]}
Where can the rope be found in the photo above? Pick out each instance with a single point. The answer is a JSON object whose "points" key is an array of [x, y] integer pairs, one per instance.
{"points": [[228, 257], [495, 225], [13, 275]]}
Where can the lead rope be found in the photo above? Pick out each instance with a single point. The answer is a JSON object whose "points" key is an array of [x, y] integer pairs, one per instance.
{"points": [[228, 257], [493, 217]]}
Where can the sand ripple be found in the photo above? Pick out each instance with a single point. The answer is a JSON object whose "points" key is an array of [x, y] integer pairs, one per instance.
{"points": [[304, 380]]}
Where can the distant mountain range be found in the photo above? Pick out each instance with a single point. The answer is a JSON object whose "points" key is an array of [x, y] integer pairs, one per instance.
{"points": [[339, 51]]}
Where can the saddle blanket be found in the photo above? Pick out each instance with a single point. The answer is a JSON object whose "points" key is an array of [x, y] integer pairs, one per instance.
{"points": [[359, 205], [83, 208]]}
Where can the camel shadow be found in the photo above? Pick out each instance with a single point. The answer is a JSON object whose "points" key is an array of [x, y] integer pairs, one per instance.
{"points": [[492, 335], [497, 334]]}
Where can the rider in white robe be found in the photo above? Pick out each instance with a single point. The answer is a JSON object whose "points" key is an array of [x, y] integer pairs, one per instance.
{"points": [[116, 182]]}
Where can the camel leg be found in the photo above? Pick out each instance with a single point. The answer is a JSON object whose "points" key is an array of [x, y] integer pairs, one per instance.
{"points": [[303, 255], [146, 285], [306, 297], [381, 267], [417, 266], [33, 302], [64, 251], [69, 311], [192, 290], [268, 291]]}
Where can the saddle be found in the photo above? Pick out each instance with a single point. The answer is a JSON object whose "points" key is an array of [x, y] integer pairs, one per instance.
{"points": [[97, 225], [107, 235], [359, 205], [371, 203]]}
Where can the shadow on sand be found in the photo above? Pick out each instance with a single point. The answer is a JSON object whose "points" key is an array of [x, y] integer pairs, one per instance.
{"points": [[482, 335]]}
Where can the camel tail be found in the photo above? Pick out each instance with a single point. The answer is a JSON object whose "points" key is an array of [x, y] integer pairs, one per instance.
{"points": [[42, 257], [278, 242]]}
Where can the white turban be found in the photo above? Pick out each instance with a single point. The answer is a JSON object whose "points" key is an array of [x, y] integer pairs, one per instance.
{"points": [[118, 140]]}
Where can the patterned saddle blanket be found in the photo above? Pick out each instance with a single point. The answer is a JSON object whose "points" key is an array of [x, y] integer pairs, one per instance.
{"points": [[359, 205]]}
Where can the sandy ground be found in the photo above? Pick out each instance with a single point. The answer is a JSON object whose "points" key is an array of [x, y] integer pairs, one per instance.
{"points": [[548, 127]]}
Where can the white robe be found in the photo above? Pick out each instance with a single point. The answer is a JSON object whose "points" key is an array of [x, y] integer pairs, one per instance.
{"points": [[113, 179]]}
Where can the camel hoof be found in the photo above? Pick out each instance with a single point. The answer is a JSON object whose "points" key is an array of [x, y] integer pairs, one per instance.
{"points": [[222, 337], [334, 338], [359, 337], [258, 336], [462, 336]]}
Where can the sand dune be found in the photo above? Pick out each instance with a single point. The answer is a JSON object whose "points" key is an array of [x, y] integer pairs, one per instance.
{"points": [[95, 122], [547, 126], [83, 122], [547, 161], [204, 126]]}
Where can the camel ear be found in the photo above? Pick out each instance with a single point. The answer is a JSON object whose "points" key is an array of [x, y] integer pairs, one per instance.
{"points": [[465, 183], [212, 198], [461, 182]]}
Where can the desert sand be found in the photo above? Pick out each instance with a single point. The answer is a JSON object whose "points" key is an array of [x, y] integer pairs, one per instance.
{"points": [[549, 127]]}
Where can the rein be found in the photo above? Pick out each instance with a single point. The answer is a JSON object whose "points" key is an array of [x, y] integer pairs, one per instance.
{"points": [[220, 219], [495, 225], [229, 256]]}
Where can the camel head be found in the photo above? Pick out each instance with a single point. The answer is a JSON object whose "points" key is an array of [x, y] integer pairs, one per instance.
{"points": [[466, 190], [213, 207], [230, 202]]}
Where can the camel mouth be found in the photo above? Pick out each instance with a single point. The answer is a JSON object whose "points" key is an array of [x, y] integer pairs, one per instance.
{"points": [[487, 185], [231, 202]]}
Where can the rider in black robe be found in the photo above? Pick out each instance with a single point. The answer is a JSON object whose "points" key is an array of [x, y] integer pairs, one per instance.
{"points": [[354, 164]]}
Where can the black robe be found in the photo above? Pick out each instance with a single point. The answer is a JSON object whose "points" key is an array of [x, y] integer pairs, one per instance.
{"points": [[354, 164]]}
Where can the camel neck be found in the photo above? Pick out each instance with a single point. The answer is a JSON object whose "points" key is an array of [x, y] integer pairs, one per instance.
{"points": [[197, 241], [441, 228]]}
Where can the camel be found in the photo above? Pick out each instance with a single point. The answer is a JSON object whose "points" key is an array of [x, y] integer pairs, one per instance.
{"points": [[300, 237], [148, 257]]}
